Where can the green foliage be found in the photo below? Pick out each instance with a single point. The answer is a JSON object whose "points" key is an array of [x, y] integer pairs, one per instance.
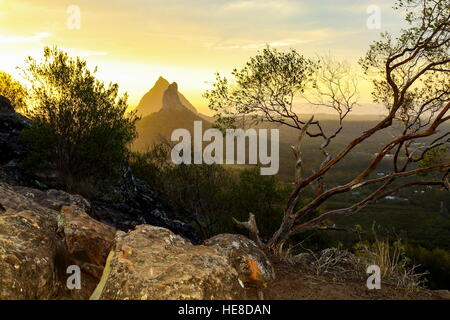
{"points": [[80, 127], [436, 262], [264, 88], [13, 90], [261, 195], [418, 220], [194, 189], [152, 165], [213, 194], [433, 156], [409, 71]]}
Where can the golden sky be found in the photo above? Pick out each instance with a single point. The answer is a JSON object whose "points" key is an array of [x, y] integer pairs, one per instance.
{"points": [[133, 42]]}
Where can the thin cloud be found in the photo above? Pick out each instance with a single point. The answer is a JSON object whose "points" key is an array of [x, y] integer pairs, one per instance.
{"points": [[292, 39], [282, 7], [37, 37], [252, 45], [84, 53], [92, 53]]}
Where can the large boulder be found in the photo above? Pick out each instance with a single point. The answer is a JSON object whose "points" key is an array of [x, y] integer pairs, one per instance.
{"points": [[22, 199], [253, 266], [154, 263], [41, 235], [53, 199], [29, 248], [28, 254], [88, 241]]}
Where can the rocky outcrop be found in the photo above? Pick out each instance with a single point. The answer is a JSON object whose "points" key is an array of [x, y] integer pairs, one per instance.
{"points": [[131, 202], [11, 125], [154, 263], [5, 105], [152, 101], [88, 241], [41, 235], [12, 150], [124, 205], [171, 100], [29, 248], [254, 268], [28, 254], [173, 114], [53, 199]]}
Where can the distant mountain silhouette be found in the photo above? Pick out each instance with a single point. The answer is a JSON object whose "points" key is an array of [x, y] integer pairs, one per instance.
{"points": [[173, 111], [152, 101]]}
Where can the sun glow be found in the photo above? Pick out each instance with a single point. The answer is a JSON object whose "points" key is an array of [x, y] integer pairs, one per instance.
{"points": [[135, 42]]}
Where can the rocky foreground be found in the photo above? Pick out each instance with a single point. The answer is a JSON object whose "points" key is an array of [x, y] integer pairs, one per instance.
{"points": [[127, 242], [42, 234], [133, 246]]}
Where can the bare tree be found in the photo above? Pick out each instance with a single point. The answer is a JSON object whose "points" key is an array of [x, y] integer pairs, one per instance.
{"points": [[411, 78]]}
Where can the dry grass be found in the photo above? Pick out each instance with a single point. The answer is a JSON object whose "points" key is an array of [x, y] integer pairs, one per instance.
{"points": [[331, 261], [395, 266]]}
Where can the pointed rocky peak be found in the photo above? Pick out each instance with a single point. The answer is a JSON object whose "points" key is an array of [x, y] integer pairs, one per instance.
{"points": [[173, 88], [161, 83], [171, 98], [152, 101]]}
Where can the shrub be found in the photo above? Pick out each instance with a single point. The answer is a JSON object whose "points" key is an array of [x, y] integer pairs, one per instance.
{"points": [[212, 194], [436, 262], [80, 127], [13, 90], [395, 266]]}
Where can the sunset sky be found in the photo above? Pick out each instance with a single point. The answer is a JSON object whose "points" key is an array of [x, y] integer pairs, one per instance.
{"points": [[133, 42]]}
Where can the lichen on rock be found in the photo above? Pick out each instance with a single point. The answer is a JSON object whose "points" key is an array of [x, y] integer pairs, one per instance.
{"points": [[154, 263], [251, 263]]}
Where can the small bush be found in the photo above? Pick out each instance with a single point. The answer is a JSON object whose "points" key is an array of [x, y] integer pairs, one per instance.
{"points": [[395, 266], [436, 262], [332, 261], [212, 194], [13, 90], [80, 127]]}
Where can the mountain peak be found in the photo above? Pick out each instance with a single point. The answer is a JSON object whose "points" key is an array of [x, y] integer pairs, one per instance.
{"points": [[161, 82], [173, 87], [171, 99], [152, 101]]}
